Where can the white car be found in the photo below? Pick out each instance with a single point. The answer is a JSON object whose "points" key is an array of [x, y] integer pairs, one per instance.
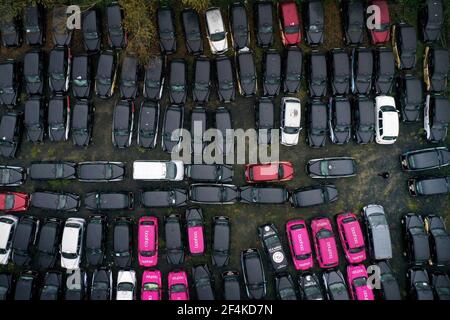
{"points": [[290, 121], [72, 243], [386, 120], [216, 33], [168, 170], [8, 224], [126, 285]]}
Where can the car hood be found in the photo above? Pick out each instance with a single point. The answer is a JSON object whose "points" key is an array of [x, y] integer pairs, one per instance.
{"points": [[318, 90], [92, 44], [219, 46], [289, 139], [102, 89], [175, 257], [169, 45], [315, 37], [33, 37], [128, 92], [121, 140], [8, 151], [95, 259], [81, 92], [57, 134], [9, 98], [80, 139], [70, 264], [317, 140], [354, 35], [62, 39]]}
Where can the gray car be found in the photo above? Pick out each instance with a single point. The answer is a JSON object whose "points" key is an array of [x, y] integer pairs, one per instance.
{"points": [[11, 176], [335, 285], [340, 72], [192, 31], [58, 118], [225, 79], [129, 78], [202, 79], [100, 171], [427, 186], [123, 123], [364, 119], [239, 26], [92, 34], [246, 73], [209, 172], [61, 35], [174, 242], [410, 97], [362, 70], [272, 73], [81, 76], [178, 81], [204, 193], [48, 200], [313, 196], [148, 124], [315, 22], [166, 30], [338, 167], [220, 241], [59, 68], [199, 124], [33, 72], [154, 78], [105, 78], [318, 75], [104, 200], [317, 124], [385, 71], [436, 117], [52, 170], [224, 124], [34, 120], [340, 120], [263, 12], [425, 159], [203, 283], [116, 34], [264, 119], [379, 236], [164, 198], [263, 195], [10, 131], [173, 120], [293, 70]]}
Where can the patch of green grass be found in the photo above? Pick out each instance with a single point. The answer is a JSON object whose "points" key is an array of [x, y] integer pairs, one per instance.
{"points": [[35, 152], [58, 184]]}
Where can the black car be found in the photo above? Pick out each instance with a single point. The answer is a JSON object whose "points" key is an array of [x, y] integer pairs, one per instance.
{"points": [[339, 72], [10, 33], [246, 73], [293, 70], [425, 159], [34, 22], [317, 124], [436, 68], [118, 200], [122, 242], [416, 239], [202, 79], [34, 120], [128, 78], [384, 70], [223, 123], [239, 26], [12, 176], [102, 285], [173, 122], [76, 285], [92, 31], [389, 289], [263, 13], [10, 131], [192, 31], [154, 78], [100, 171], [364, 119], [271, 73], [47, 244], [24, 240], [81, 76], [310, 287], [419, 284], [174, 241], [52, 287], [284, 287], [410, 97], [337, 167], [225, 79], [116, 34], [273, 247], [427, 186], [9, 83], [58, 118], [203, 283], [315, 22], [61, 35], [52, 170], [263, 195], [362, 70], [166, 30], [312, 196], [209, 172], [59, 66], [148, 124], [340, 120], [231, 285], [123, 123], [431, 18], [105, 77], [404, 45], [205, 193], [441, 285], [265, 119], [199, 124], [439, 240], [436, 117], [33, 72], [95, 240], [48, 200], [26, 285], [220, 255], [164, 198], [335, 286], [5, 286], [178, 81], [254, 276], [317, 74], [353, 21], [82, 123]]}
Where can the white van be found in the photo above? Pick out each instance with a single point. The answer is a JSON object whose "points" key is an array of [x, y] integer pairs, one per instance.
{"points": [[158, 170]]}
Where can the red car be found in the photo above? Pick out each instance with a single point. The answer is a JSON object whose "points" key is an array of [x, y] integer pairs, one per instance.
{"points": [[269, 172], [290, 24], [14, 201], [382, 34]]}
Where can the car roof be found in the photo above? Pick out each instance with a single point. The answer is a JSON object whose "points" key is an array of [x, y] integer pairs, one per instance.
{"points": [[315, 12], [80, 114], [32, 111], [56, 59], [79, 65], [341, 63], [366, 111], [310, 197], [318, 65], [214, 20], [386, 62], [173, 118], [441, 60], [292, 112], [113, 14], [55, 110], [414, 90], [253, 268], [177, 71], [365, 61], [318, 115], [433, 185], [93, 235], [408, 36], [121, 115], [6, 73], [434, 11], [105, 63], [48, 233], [70, 239], [224, 68], [442, 109], [31, 62], [221, 236], [172, 230], [8, 125], [121, 236], [343, 111]]}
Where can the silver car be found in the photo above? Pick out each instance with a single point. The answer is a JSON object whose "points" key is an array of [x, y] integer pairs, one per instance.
{"points": [[215, 28], [380, 246]]}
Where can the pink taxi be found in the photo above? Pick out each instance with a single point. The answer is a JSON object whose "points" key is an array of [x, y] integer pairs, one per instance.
{"points": [[357, 283], [178, 285], [352, 238], [299, 244], [194, 222], [324, 243], [151, 285], [148, 241]]}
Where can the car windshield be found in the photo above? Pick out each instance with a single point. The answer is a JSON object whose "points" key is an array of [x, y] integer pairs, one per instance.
{"points": [[151, 286], [266, 29], [7, 90], [226, 85], [323, 234], [100, 286], [69, 255], [201, 86], [125, 286], [422, 286], [248, 78], [286, 293], [272, 241], [193, 35], [171, 170], [9, 202], [360, 282], [293, 76], [58, 76], [147, 253], [218, 36], [91, 35], [302, 256], [272, 79], [128, 83], [177, 87], [33, 79], [166, 35], [312, 291], [115, 30], [377, 220], [178, 288], [33, 29], [291, 29], [104, 80], [383, 27], [291, 130], [338, 288], [80, 82]]}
